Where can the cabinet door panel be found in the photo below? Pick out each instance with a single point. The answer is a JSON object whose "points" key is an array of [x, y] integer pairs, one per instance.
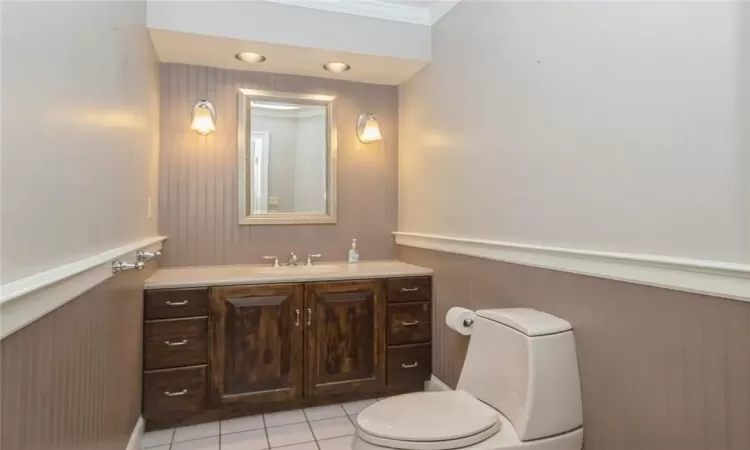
{"points": [[256, 343], [345, 338]]}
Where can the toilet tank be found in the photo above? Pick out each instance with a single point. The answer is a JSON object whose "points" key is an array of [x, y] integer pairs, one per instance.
{"points": [[523, 363]]}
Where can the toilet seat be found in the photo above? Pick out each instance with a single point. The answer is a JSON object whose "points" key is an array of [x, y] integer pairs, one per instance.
{"points": [[428, 421]]}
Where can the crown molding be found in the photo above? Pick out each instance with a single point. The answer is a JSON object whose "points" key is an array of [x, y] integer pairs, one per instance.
{"points": [[439, 9], [371, 8]]}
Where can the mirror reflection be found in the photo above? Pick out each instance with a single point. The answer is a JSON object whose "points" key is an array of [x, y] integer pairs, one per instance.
{"points": [[287, 172], [288, 158]]}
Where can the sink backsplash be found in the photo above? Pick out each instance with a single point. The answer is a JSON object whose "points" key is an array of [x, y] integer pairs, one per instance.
{"points": [[198, 175]]}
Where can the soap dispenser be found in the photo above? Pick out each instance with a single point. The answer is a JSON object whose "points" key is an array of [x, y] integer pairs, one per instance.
{"points": [[353, 253]]}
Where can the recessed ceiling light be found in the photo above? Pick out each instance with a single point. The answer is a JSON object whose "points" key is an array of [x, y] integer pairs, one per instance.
{"points": [[336, 67], [250, 57]]}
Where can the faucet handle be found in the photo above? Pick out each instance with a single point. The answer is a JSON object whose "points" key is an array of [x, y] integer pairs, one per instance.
{"points": [[310, 257], [275, 259]]}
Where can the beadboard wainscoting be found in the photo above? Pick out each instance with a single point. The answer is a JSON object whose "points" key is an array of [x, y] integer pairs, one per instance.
{"points": [[72, 379], [660, 369], [198, 174]]}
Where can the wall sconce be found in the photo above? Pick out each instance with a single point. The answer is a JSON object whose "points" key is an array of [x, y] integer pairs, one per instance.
{"points": [[367, 128], [204, 117]]}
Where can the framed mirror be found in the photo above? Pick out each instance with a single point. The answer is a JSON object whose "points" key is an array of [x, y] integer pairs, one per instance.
{"points": [[286, 158]]}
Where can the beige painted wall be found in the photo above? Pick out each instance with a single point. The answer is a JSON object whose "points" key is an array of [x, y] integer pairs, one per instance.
{"points": [[79, 132], [198, 178], [610, 126]]}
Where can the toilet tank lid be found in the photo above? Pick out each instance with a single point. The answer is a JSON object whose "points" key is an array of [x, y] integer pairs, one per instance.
{"points": [[526, 320]]}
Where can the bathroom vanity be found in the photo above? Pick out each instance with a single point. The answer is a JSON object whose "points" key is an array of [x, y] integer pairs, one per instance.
{"points": [[227, 341]]}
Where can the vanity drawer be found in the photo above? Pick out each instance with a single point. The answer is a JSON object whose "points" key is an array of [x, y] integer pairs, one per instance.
{"points": [[174, 343], [174, 303], [409, 323], [409, 364], [415, 289], [173, 393]]}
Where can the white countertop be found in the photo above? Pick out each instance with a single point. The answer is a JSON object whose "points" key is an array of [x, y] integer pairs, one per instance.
{"points": [[197, 276]]}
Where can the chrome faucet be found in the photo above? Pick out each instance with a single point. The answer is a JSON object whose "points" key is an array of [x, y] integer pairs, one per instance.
{"points": [[292, 260], [310, 257]]}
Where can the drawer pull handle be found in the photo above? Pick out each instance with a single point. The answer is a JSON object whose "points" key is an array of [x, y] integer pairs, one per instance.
{"points": [[182, 303], [176, 394], [409, 324], [309, 317], [296, 322], [409, 366], [176, 344], [414, 289]]}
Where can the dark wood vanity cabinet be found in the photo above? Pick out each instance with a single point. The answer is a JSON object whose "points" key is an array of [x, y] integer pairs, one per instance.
{"points": [[175, 355], [221, 352], [256, 337], [345, 351]]}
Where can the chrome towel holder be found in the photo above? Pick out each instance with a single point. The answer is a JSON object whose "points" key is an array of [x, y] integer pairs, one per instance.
{"points": [[141, 258]]}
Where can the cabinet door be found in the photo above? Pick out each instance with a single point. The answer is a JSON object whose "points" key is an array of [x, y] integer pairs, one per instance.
{"points": [[345, 324], [256, 343]]}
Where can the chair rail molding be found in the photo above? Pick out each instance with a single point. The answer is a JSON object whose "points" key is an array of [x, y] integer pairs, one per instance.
{"points": [[729, 280], [25, 300]]}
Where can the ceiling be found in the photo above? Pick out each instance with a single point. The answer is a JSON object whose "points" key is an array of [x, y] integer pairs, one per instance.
{"points": [[213, 51], [384, 41], [421, 12]]}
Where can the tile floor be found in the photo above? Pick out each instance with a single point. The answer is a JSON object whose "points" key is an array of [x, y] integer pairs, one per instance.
{"points": [[328, 427]]}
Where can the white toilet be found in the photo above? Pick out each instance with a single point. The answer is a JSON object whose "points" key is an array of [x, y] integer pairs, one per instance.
{"points": [[519, 389]]}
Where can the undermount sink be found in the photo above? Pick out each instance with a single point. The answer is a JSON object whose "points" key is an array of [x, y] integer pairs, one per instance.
{"points": [[299, 270]]}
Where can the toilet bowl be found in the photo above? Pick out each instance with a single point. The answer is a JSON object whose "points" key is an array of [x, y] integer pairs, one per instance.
{"points": [[519, 389]]}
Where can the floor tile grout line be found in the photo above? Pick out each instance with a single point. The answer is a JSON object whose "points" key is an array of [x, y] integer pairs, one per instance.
{"points": [[198, 438], [287, 424], [240, 431], [289, 445], [265, 430], [327, 418]]}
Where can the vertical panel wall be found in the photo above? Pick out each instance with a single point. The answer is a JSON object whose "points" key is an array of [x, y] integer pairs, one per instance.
{"points": [[198, 179]]}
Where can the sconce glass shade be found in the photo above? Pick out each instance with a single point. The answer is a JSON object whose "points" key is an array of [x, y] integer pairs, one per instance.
{"points": [[368, 129], [204, 118]]}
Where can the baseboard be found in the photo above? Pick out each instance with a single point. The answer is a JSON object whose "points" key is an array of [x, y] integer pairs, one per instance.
{"points": [[434, 384], [136, 437]]}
